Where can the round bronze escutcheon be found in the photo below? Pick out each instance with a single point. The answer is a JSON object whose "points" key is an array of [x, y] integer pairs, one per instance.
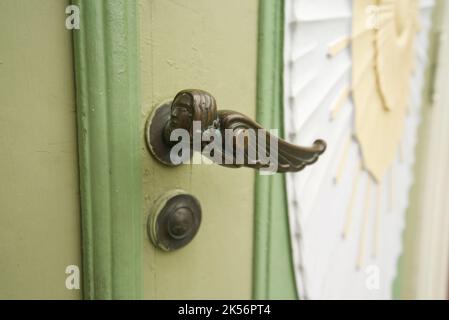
{"points": [[174, 220], [154, 136]]}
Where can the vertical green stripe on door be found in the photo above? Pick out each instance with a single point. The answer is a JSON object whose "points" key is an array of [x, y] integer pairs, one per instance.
{"points": [[273, 266], [108, 112]]}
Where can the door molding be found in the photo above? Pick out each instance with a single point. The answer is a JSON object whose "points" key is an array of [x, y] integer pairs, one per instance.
{"points": [[273, 273], [109, 137]]}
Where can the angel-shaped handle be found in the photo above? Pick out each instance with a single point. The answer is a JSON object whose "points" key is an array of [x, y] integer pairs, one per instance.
{"points": [[191, 122]]}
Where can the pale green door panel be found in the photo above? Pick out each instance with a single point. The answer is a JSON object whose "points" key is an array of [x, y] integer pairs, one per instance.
{"points": [[39, 198], [210, 45], [232, 49]]}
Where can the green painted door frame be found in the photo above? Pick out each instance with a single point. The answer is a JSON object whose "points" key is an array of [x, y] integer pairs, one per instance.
{"points": [[107, 88], [273, 275]]}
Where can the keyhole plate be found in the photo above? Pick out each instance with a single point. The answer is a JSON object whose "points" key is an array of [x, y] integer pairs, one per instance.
{"points": [[174, 220]]}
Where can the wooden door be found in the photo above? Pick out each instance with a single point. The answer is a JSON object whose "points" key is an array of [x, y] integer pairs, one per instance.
{"points": [[128, 57], [209, 45]]}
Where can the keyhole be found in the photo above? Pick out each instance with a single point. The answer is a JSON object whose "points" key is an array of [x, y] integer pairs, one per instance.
{"points": [[180, 223]]}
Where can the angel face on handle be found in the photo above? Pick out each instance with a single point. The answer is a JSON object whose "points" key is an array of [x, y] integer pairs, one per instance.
{"points": [[182, 112], [193, 105]]}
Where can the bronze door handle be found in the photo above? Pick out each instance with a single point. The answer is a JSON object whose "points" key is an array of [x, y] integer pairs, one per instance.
{"points": [[232, 139]]}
